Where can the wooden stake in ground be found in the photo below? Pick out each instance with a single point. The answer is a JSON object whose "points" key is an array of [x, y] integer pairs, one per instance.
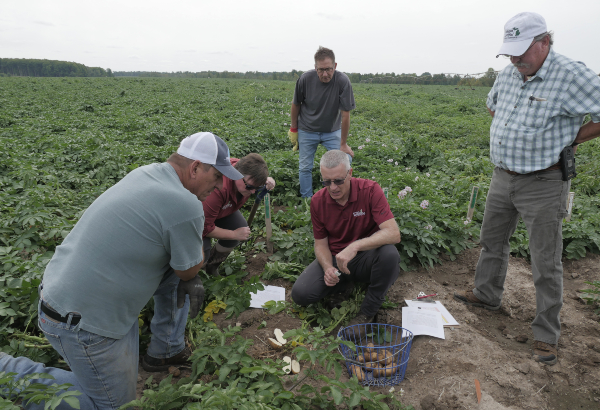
{"points": [[478, 390], [472, 202], [268, 222]]}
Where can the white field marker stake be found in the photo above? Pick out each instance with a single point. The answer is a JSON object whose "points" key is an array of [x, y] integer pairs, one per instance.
{"points": [[570, 199], [268, 222], [472, 202], [386, 192]]}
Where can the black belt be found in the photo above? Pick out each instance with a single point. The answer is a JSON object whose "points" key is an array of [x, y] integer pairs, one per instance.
{"points": [[550, 168], [53, 314]]}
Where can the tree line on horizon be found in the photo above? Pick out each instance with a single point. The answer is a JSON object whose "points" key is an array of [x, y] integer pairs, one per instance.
{"points": [[27, 67], [23, 67]]}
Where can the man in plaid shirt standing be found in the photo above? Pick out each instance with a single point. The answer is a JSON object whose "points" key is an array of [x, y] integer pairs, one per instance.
{"points": [[538, 105]]}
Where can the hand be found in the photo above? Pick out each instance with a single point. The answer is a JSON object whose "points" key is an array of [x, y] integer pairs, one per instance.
{"points": [[293, 135], [330, 278], [241, 234], [346, 148], [195, 290], [270, 183], [343, 258]]}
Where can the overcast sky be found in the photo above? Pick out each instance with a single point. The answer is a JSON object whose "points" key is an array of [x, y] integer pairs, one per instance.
{"points": [[367, 36]]}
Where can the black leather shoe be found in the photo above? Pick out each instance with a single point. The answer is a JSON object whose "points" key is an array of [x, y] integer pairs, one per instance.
{"points": [[152, 364]]}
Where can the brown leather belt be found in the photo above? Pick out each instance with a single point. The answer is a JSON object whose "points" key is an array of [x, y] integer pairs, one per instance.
{"points": [[551, 168]]}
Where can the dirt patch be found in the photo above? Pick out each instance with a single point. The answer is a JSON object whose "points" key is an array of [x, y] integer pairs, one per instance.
{"points": [[492, 347]]}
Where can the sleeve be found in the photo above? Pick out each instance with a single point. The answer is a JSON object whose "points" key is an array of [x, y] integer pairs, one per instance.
{"points": [[212, 205], [184, 243], [380, 208], [347, 102], [492, 98], [298, 92], [582, 96], [319, 231]]}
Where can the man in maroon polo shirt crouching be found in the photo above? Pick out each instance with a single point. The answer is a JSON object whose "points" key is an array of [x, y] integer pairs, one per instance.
{"points": [[355, 233]]}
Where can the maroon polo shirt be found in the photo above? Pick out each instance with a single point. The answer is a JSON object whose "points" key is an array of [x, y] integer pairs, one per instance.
{"points": [[360, 217], [222, 203]]}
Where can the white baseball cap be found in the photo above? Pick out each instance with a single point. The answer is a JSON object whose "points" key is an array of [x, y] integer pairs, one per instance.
{"points": [[209, 149], [519, 32]]}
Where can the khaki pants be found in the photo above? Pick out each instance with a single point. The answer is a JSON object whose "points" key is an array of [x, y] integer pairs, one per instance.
{"points": [[540, 199]]}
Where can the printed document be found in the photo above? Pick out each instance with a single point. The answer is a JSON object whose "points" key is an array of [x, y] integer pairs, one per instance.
{"points": [[447, 318], [259, 298], [423, 321]]}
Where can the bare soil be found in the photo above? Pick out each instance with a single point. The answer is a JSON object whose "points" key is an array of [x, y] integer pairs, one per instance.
{"points": [[492, 347]]}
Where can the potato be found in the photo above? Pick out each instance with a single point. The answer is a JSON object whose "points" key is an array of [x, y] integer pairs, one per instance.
{"points": [[358, 372], [288, 368], [274, 344], [360, 358], [369, 348], [388, 371], [373, 356], [295, 367], [371, 366], [384, 357], [279, 336]]}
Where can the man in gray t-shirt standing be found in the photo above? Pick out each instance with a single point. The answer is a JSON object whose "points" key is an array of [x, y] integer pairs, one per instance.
{"points": [[140, 239], [320, 114]]}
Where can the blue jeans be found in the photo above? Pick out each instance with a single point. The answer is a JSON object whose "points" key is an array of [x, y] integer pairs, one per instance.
{"points": [[104, 369], [308, 143]]}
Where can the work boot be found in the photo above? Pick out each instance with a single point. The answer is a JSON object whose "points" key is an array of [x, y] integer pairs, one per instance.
{"points": [[152, 364], [215, 259], [545, 353], [468, 298]]}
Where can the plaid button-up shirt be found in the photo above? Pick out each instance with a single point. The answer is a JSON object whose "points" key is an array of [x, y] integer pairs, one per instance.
{"points": [[534, 120]]}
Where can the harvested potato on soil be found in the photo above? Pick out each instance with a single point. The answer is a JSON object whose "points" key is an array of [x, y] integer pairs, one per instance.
{"points": [[295, 367], [287, 369], [274, 344], [279, 336]]}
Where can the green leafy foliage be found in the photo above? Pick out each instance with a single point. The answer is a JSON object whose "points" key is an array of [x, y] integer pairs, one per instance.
{"points": [[26, 391]]}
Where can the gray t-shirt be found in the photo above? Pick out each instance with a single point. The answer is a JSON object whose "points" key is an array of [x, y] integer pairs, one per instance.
{"points": [[321, 103], [113, 260]]}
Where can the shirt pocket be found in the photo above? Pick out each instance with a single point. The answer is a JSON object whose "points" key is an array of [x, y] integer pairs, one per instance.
{"points": [[535, 113]]}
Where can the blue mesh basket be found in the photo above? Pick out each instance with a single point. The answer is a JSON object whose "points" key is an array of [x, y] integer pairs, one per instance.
{"points": [[394, 339]]}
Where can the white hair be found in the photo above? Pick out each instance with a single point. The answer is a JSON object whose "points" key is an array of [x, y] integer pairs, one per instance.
{"points": [[333, 158]]}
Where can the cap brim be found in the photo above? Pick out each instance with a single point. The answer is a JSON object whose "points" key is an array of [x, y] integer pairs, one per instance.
{"points": [[515, 48], [229, 171]]}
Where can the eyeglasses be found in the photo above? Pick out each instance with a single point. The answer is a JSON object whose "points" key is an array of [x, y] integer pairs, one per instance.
{"points": [[324, 70], [338, 182], [251, 187], [509, 56]]}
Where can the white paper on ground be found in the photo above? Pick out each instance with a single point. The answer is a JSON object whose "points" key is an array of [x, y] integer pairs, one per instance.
{"points": [[423, 322], [447, 318], [259, 298]]}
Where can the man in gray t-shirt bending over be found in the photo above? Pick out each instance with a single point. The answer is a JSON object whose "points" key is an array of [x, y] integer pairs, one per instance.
{"points": [[320, 114], [142, 238]]}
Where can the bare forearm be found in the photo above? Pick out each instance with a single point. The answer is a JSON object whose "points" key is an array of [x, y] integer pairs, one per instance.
{"points": [[491, 112], [294, 115], [345, 126], [588, 132], [220, 233], [388, 236], [323, 254]]}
